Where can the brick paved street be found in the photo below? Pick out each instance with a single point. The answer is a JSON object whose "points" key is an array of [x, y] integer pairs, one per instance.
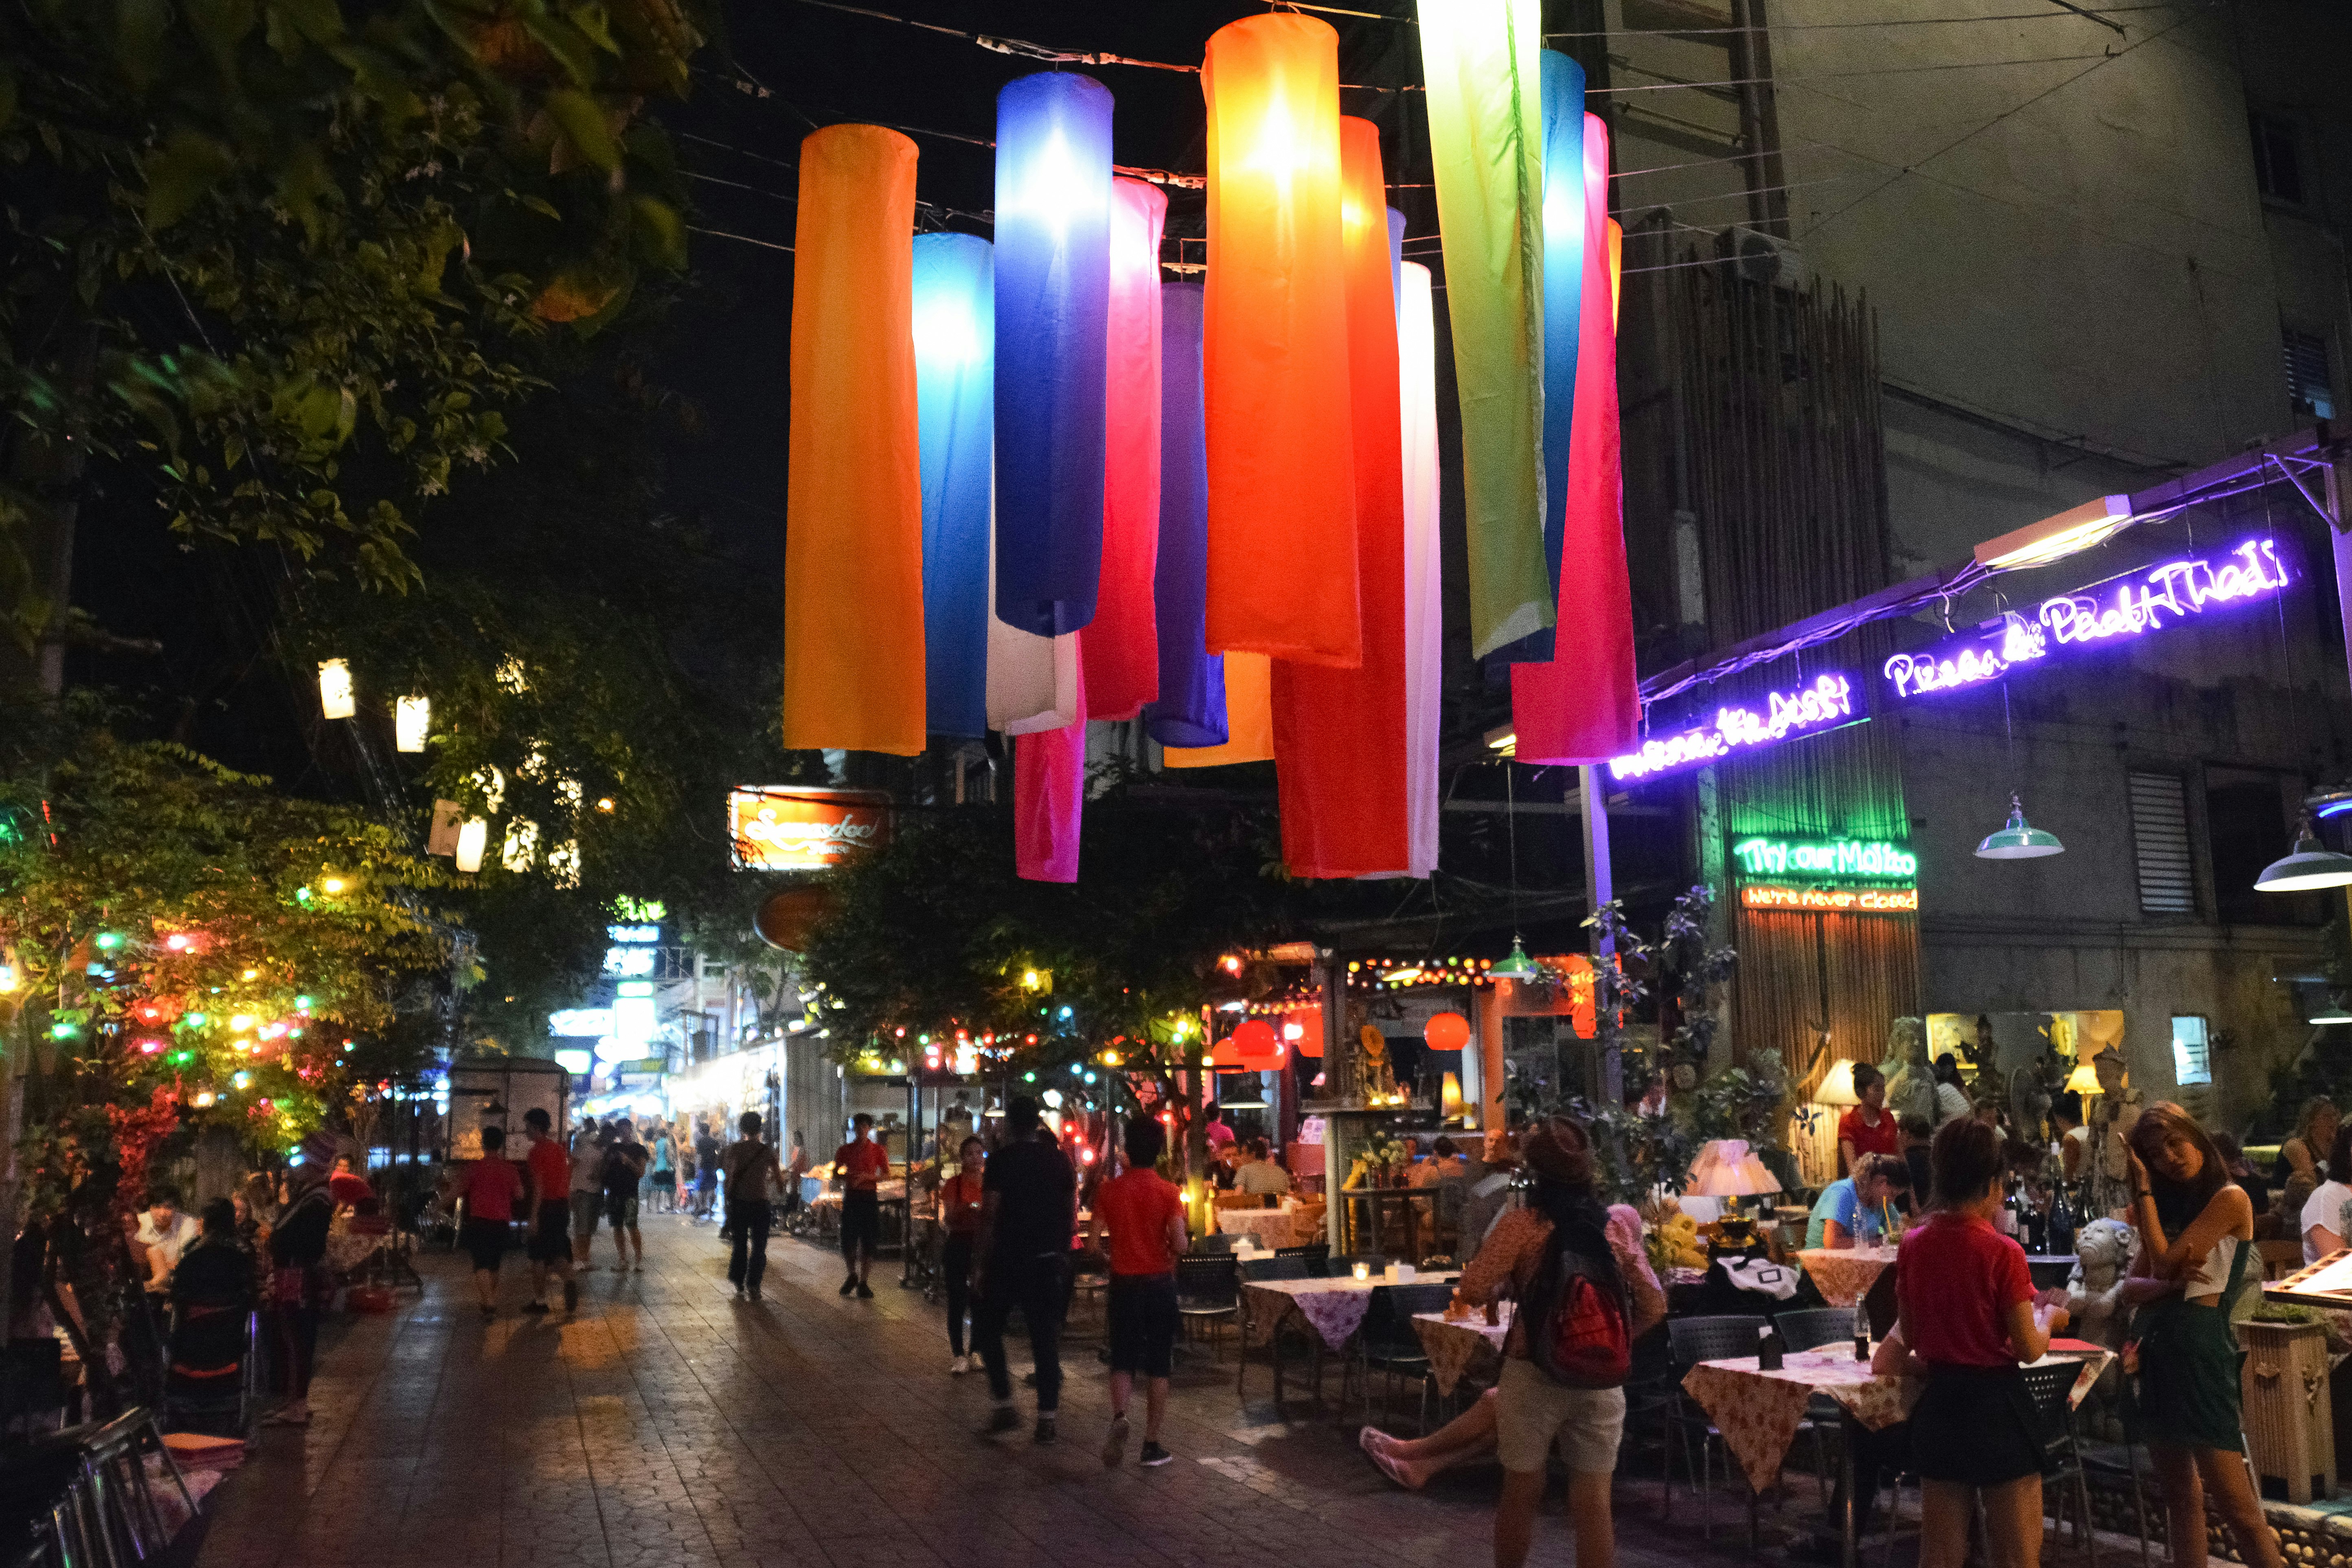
{"points": [[672, 1425]]}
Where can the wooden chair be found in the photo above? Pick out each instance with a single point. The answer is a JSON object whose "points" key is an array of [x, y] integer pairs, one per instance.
{"points": [[2279, 1258]]}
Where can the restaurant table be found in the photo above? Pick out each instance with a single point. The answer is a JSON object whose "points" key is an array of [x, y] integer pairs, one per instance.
{"points": [[1375, 1199], [1272, 1227], [1334, 1309], [1757, 1412], [1456, 1345], [1844, 1275]]}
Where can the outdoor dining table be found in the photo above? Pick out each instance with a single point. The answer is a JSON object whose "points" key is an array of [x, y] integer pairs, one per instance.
{"points": [[1844, 1275], [1456, 1345], [1412, 1200], [1757, 1412], [1271, 1228], [1334, 1309]]}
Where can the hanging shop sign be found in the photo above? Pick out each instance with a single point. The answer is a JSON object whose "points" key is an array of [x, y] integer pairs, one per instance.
{"points": [[1825, 703], [790, 827], [1825, 858], [1838, 901], [2145, 601]]}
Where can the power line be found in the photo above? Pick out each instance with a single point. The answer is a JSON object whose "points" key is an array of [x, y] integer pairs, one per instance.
{"points": [[1838, 76], [747, 240], [2105, 11]]}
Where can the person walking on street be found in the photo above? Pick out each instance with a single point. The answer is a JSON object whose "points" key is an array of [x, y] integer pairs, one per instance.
{"points": [[665, 1194], [858, 1167], [1145, 1216], [752, 1173], [706, 1170], [297, 1274], [796, 1165], [960, 1196], [492, 1188], [624, 1166], [548, 1170], [587, 1190], [1029, 1211]]}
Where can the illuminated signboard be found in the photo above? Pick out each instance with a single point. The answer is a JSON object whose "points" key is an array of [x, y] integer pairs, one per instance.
{"points": [[630, 960], [2146, 602], [581, 1021], [633, 936], [789, 827], [1836, 900], [1824, 704], [1825, 858]]}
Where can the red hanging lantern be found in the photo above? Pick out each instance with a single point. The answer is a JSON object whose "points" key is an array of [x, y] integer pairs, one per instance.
{"points": [[1257, 1045], [1225, 1054], [1446, 1032]]}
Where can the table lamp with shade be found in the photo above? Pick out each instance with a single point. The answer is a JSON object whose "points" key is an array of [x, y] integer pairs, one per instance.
{"points": [[2084, 1079], [1837, 1085], [1727, 1168]]}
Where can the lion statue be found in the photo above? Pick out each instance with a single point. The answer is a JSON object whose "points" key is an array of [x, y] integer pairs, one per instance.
{"points": [[1910, 1081]]}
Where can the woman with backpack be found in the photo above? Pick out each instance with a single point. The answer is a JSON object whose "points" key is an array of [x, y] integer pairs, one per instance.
{"points": [[1585, 1294]]}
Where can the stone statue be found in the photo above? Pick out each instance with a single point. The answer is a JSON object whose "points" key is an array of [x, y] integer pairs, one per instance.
{"points": [[1910, 1081], [2029, 1101], [2103, 1250], [2112, 1119]]}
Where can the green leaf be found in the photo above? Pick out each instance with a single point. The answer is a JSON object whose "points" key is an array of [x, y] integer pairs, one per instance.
{"points": [[660, 232], [221, 26], [583, 120], [140, 29], [542, 207], [320, 21], [188, 165], [302, 183]]}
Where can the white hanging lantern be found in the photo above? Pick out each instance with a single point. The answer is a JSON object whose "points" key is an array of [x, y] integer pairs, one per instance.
{"points": [[411, 721], [335, 688], [521, 847], [472, 840]]}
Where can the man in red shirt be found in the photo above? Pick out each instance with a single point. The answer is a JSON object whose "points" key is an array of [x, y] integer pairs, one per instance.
{"points": [[1869, 1127], [549, 1170], [858, 1167], [492, 1188], [1145, 1216]]}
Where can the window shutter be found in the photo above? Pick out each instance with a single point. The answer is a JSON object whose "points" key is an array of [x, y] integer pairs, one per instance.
{"points": [[2168, 874]]}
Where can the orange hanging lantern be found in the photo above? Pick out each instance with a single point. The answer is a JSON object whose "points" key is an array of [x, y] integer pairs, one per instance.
{"points": [[1446, 1032], [1282, 532], [853, 651], [1249, 717]]}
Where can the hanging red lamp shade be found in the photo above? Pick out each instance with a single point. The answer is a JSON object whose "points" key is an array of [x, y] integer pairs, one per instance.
{"points": [[1308, 1040], [1446, 1032], [1258, 1045], [1224, 1054]]}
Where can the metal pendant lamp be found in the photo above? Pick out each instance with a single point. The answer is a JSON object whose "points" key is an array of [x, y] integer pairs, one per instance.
{"points": [[1518, 967], [2310, 864], [2017, 841]]}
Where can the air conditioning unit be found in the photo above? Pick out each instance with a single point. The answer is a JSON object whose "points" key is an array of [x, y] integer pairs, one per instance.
{"points": [[1762, 258]]}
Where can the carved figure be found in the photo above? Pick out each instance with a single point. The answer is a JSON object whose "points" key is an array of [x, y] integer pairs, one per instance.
{"points": [[1910, 1082], [2103, 1250], [2029, 1101], [2111, 1123]]}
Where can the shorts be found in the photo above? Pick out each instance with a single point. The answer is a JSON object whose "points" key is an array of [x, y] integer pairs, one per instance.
{"points": [[585, 1207], [485, 1241], [621, 1210], [861, 1223], [707, 1182], [1143, 1323], [1975, 1426], [666, 1180], [551, 1238], [1532, 1412]]}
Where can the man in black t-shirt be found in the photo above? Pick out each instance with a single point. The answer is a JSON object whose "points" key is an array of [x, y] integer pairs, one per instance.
{"points": [[1029, 1211]]}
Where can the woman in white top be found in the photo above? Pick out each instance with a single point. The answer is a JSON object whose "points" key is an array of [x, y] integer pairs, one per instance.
{"points": [[2323, 1223]]}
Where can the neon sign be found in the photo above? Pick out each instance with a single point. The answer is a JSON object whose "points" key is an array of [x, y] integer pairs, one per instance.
{"points": [[1824, 858], [2177, 589], [1838, 901], [1827, 703]]}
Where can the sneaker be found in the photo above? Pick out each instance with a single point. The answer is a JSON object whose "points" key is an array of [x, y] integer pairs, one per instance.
{"points": [[959, 1366], [755, 1291], [1154, 1456], [1003, 1418], [1045, 1432], [571, 1295], [865, 1292], [738, 1292], [1115, 1445], [535, 1305], [849, 1286]]}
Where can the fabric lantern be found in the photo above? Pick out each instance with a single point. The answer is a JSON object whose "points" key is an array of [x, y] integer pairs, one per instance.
{"points": [[1282, 534], [1033, 681], [1191, 707], [1446, 1032], [1052, 310], [955, 399], [1049, 792], [1585, 706], [854, 652], [335, 688], [1396, 249], [1424, 598], [412, 721], [1122, 645], [1563, 282], [1479, 59], [1249, 718], [1339, 734]]}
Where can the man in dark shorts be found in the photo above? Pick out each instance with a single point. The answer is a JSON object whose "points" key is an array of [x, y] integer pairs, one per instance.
{"points": [[492, 1188], [624, 1167], [752, 1175], [1145, 1216], [858, 1167], [706, 1170], [549, 1170], [1027, 1215]]}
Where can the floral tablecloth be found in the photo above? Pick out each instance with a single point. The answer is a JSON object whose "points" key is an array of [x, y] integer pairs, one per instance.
{"points": [[1335, 1308], [346, 1249], [1272, 1227], [1758, 1411], [1843, 1276], [1454, 1345]]}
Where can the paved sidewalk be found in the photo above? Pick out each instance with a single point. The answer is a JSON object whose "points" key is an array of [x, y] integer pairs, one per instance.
{"points": [[670, 1427]]}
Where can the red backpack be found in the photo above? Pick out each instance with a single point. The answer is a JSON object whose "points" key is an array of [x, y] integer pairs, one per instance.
{"points": [[1578, 1311]]}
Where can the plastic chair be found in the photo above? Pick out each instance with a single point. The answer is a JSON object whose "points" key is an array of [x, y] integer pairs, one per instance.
{"points": [[1387, 1340], [1315, 1253], [1813, 1327], [2061, 1458], [1691, 1340], [1208, 1292]]}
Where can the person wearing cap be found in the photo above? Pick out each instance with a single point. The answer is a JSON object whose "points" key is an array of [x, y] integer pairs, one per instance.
{"points": [[1532, 1412]]}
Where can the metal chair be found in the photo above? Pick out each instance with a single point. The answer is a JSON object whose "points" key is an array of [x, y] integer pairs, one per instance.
{"points": [[2061, 1458], [1315, 1253], [1691, 1340], [1387, 1340], [1275, 1268], [1214, 1243], [1208, 1292]]}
